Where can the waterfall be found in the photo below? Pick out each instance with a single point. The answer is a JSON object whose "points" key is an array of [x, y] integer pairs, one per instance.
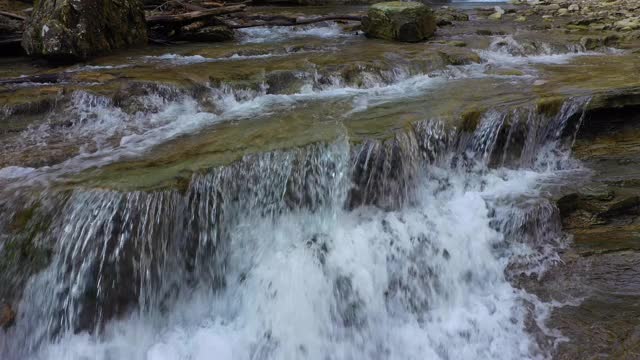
{"points": [[405, 248]]}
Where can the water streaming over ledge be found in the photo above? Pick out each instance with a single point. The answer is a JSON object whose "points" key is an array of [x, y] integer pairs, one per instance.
{"points": [[396, 249], [83, 129]]}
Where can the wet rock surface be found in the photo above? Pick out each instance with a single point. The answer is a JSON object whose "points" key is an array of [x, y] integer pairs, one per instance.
{"points": [[599, 277], [401, 21], [77, 30]]}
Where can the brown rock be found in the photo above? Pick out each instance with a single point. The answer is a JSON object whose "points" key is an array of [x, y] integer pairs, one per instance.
{"points": [[7, 316]]}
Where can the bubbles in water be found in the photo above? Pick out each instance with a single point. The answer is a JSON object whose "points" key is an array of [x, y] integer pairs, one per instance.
{"points": [[279, 34], [263, 260]]}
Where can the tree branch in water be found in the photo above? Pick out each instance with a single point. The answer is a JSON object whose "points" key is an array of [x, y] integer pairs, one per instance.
{"points": [[297, 22], [194, 15]]}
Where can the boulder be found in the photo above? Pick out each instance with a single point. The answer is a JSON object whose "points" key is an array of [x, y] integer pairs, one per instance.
{"points": [[595, 42], [495, 16], [628, 24], [400, 21], [72, 30]]}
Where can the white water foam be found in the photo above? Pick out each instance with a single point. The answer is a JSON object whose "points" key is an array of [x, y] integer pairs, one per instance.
{"points": [[162, 120], [81, 68], [422, 282], [278, 34], [177, 59], [97, 124], [14, 172], [505, 50]]}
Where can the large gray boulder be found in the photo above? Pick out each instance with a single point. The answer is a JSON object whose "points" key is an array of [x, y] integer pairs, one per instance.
{"points": [[400, 21], [70, 30]]}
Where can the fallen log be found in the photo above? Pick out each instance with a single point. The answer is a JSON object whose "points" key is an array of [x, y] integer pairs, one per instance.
{"points": [[13, 16], [164, 42], [210, 4], [261, 17], [8, 40], [194, 15], [10, 45], [297, 22], [190, 7]]}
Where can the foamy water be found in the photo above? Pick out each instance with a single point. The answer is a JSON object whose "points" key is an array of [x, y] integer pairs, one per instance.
{"points": [[284, 33], [175, 59], [109, 134], [274, 257], [506, 51], [425, 281], [98, 121]]}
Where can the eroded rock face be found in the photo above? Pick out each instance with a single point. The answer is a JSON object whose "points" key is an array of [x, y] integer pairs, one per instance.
{"points": [[400, 21], [70, 30]]}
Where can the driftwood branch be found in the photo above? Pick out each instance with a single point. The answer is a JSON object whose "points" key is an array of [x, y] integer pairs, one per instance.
{"points": [[262, 17], [194, 15], [210, 4], [163, 42], [297, 22], [194, 26], [190, 7], [13, 16]]}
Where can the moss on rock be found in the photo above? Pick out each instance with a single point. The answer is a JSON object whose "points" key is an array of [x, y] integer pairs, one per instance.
{"points": [[71, 30], [400, 21], [550, 106]]}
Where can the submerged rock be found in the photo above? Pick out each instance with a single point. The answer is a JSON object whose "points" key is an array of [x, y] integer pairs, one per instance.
{"points": [[71, 30], [401, 21]]}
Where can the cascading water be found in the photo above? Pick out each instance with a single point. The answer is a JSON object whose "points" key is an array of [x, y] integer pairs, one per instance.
{"points": [[401, 249]]}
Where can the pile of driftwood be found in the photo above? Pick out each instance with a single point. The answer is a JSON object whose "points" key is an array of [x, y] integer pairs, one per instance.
{"points": [[11, 26], [175, 20], [214, 21]]}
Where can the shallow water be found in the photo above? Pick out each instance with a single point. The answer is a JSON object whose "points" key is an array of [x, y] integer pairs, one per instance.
{"points": [[302, 194]]}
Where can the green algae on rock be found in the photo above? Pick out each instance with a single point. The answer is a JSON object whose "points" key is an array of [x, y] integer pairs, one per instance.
{"points": [[400, 21], [76, 30]]}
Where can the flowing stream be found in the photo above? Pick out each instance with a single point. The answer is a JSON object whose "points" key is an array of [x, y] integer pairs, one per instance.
{"points": [[403, 245]]}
